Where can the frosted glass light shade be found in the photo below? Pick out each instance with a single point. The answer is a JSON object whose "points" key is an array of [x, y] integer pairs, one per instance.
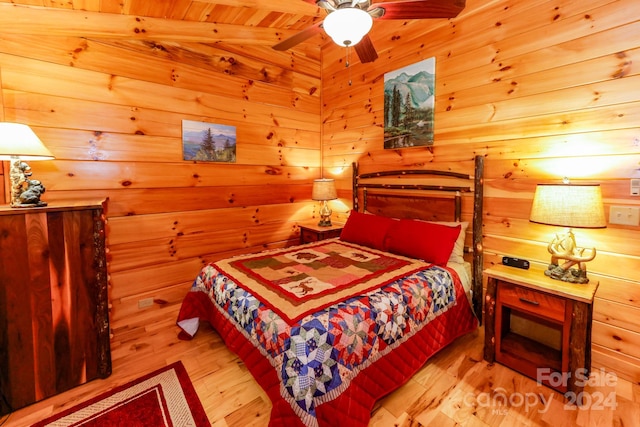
{"points": [[568, 205], [19, 141], [347, 26]]}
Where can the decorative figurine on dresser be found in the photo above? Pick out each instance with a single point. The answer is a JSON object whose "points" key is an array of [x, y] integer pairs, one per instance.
{"points": [[25, 192]]}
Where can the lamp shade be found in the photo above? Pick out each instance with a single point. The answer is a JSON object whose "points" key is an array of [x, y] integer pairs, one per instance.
{"points": [[324, 189], [19, 141], [568, 205], [347, 26]]}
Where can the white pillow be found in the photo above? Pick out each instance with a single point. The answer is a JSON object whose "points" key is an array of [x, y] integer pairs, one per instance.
{"points": [[457, 254]]}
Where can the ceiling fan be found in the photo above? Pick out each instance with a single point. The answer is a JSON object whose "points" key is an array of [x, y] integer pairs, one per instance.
{"points": [[348, 21]]}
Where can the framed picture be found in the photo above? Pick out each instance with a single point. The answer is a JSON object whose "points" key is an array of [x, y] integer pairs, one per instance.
{"points": [[208, 142], [409, 105]]}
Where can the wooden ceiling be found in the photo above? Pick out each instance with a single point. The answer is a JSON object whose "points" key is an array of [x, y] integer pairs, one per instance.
{"points": [[233, 25], [204, 33]]}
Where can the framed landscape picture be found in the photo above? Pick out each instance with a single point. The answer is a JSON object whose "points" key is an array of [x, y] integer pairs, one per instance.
{"points": [[409, 98], [208, 142]]}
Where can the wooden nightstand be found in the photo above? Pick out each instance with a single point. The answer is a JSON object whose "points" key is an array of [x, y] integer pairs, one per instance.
{"points": [[312, 232], [539, 327]]}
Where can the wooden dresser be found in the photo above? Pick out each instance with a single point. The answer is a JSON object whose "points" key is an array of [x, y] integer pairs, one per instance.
{"points": [[54, 321]]}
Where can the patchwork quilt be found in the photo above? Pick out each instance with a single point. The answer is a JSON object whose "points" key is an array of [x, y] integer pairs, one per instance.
{"points": [[328, 365], [298, 281]]}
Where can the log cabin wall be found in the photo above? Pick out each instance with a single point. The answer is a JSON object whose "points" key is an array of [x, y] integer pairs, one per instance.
{"points": [[111, 110], [544, 89]]}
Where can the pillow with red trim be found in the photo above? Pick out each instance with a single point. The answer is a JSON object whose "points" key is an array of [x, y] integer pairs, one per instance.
{"points": [[422, 240], [366, 229]]}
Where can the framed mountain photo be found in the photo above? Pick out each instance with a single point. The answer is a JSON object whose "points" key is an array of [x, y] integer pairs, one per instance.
{"points": [[409, 100], [208, 142]]}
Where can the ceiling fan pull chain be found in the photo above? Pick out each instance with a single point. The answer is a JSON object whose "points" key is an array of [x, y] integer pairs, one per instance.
{"points": [[346, 64]]}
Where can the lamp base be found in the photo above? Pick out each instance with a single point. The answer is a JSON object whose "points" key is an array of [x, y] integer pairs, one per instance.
{"points": [[325, 215], [563, 247], [571, 275], [325, 223], [25, 192], [40, 204]]}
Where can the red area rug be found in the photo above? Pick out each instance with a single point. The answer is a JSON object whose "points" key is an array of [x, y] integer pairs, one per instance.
{"points": [[164, 398]]}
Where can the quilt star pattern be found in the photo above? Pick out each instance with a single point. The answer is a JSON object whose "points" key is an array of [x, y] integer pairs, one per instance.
{"points": [[317, 356]]}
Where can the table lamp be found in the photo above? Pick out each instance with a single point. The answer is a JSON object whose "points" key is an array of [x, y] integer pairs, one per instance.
{"points": [[324, 189], [571, 206], [17, 144]]}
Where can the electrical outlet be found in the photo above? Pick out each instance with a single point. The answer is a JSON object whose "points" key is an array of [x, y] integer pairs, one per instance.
{"points": [[624, 215], [145, 302]]}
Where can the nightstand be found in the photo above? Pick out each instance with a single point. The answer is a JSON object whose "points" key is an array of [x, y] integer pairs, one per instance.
{"points": [[539, 326], [312, 232]]}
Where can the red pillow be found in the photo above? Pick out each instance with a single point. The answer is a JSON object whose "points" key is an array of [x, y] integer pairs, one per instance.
{"points": [[366, 230], [423, 240]]}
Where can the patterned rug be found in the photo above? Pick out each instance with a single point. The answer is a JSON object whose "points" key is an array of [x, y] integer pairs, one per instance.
{"points": [[164, 398]]}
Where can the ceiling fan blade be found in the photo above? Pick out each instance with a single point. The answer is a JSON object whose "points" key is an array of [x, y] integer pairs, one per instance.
{"points": [[299, 37], [365, 50], [420, 9], [326, 4]]}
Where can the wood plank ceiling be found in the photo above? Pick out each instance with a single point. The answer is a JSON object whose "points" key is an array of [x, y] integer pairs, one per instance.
{"points": [[194, 27]]}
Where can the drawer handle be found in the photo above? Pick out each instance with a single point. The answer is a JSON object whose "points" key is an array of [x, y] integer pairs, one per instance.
{"points": [[528, 301]]}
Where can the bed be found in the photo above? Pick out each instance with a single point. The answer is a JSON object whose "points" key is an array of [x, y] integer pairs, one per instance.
{"points": [[329, 327]]}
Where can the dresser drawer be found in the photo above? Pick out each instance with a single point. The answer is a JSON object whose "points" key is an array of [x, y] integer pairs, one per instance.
{"points": [[531, 301]]}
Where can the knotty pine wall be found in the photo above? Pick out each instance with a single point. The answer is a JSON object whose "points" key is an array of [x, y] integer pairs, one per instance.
{"points": [[111, 113], [543, 89]]}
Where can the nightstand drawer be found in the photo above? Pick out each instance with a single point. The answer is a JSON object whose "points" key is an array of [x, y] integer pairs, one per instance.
{"points": [[309, 237], [532, 301], [314, 233]]}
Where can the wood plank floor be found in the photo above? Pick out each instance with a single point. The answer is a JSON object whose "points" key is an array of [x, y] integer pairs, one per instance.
{"points": [[456, 388]]}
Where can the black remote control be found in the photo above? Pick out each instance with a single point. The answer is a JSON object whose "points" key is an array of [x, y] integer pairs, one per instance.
{"points": [[515, 262]]}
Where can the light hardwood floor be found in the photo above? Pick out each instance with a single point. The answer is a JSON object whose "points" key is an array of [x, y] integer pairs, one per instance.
{"points": [[455, 388]]}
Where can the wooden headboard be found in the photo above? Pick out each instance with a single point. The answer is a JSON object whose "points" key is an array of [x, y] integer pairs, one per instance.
{"points": [[431, 195]]}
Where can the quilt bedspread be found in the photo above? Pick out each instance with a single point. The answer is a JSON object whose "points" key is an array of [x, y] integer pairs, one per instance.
{"points": [[329, 367], [300, 280]]}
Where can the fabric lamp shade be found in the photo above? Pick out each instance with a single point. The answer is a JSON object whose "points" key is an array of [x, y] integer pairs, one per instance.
{"points": [[324, 189], [18, 141], [347, 26], [568, 205]]}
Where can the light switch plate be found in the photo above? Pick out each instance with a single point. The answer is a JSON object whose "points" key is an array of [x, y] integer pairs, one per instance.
{"points": [[624, 215]]}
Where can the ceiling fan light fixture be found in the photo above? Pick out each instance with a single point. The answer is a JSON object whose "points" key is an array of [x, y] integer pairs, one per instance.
{"points": [[347, 26]]}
